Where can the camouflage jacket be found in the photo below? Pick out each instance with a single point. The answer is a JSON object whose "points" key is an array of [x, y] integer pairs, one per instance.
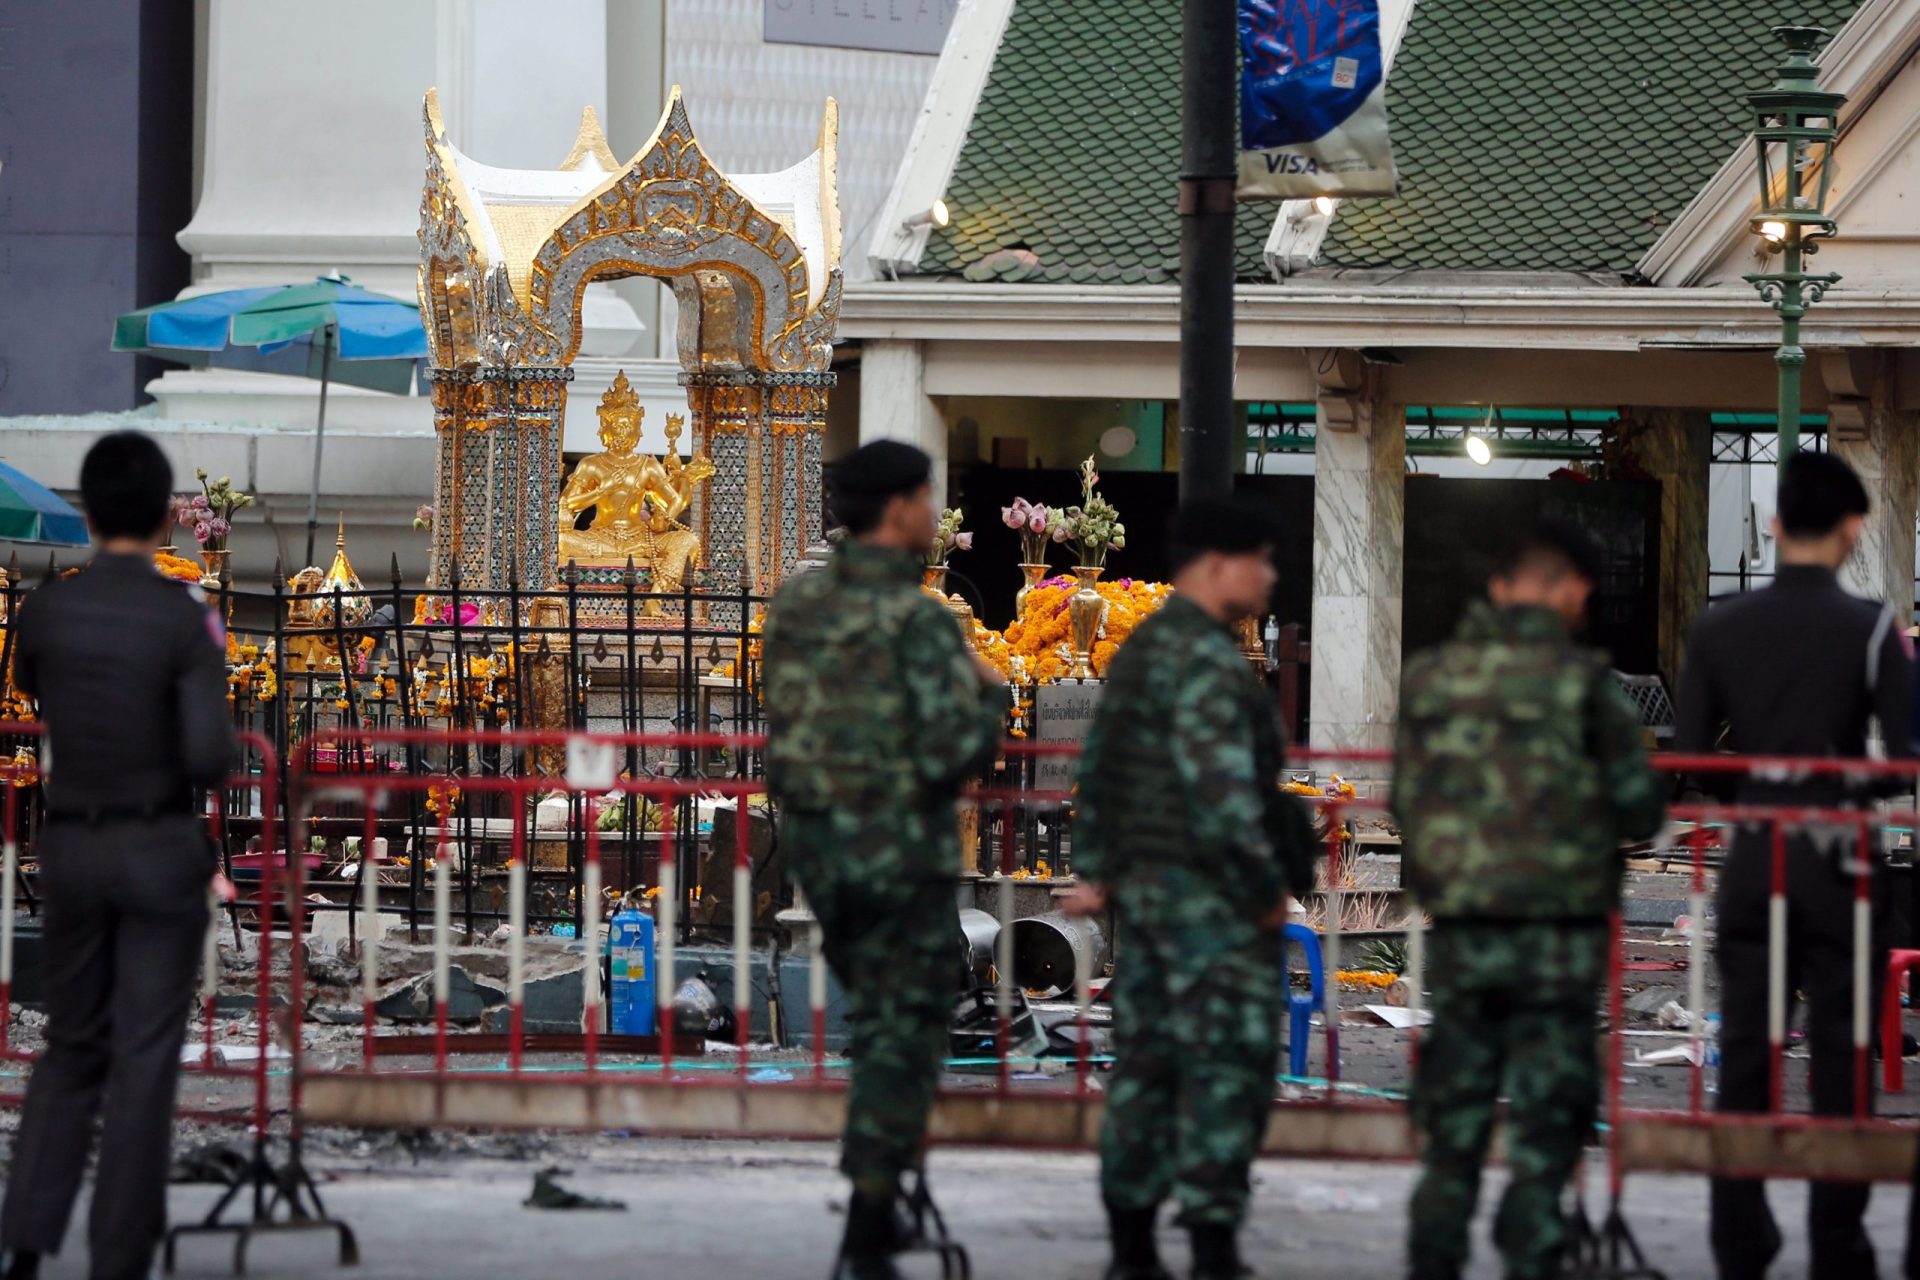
{"points": [[872, 701], [1179, 798], [1518, 773]]}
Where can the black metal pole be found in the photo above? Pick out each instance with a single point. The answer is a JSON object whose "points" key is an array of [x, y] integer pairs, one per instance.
{"points": [[1208, 161]]}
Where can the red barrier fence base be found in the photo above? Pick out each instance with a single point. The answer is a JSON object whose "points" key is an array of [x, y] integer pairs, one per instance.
{"points": [[1609, 1253], [285, 1199]]}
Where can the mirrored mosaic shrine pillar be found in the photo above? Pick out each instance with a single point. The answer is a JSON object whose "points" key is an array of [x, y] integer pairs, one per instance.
{"points": [[764, 506], [497, 479]]}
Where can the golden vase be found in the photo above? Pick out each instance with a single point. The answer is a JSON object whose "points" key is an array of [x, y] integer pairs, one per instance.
{"points": [[1035, 574], [1084, 611], [933, 578], [216, 562]]}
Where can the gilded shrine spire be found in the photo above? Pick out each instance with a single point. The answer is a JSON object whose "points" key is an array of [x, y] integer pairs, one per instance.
{"points": [[505, 256]]}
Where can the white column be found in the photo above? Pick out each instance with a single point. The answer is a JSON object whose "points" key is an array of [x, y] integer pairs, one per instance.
{"points": [[894, 404], [313, 159], [1359, 469], [1884, 447]]}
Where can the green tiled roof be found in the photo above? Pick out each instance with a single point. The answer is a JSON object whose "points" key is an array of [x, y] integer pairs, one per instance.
{"points": [[1075, 152], [1530, 135], [1559, 135]]}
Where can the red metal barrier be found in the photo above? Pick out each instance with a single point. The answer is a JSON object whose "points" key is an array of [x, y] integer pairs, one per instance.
{"points": [[15, 778], [1319, 1118], [272, 1197]]}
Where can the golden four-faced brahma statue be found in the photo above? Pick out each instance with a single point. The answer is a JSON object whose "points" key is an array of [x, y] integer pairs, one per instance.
{"points": [[636, 499]]}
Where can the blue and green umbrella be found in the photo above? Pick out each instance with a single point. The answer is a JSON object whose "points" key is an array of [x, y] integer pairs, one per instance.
{"points": [[31, 512], [330, 330]]}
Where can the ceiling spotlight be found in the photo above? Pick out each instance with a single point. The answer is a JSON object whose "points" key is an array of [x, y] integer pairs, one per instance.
{"points": [[1479, 450], [935, 216]]}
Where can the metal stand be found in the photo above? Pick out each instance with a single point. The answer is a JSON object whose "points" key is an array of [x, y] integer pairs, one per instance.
{"points": [[928, 1232], [288, 1190], [920, 1228], [1611, 1253]]}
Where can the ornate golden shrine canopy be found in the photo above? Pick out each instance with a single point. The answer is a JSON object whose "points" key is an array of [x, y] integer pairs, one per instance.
{"points": [[505, 255]]}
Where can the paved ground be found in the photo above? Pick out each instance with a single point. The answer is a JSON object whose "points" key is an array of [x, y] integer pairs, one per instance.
{"points": [[725, 1210]]}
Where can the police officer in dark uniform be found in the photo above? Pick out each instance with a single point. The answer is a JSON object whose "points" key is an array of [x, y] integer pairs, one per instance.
{"points": [[1797, 668], [129, 671]]}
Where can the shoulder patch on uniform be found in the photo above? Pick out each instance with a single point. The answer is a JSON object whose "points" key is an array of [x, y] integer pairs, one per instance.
{"points": [[216, 628]]}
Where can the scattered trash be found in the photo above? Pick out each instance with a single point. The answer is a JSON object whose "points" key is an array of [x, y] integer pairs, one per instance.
{"points": [[1395, 1016], [770, 1075], [227, 1055], [1682, 1055], [549, 1194], [1674, 1015], [211, 1162], [699, 1011]]}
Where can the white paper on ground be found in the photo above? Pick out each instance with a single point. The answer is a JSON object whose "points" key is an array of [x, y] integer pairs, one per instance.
{"points": [[229, 1054], [1398, 1017]]}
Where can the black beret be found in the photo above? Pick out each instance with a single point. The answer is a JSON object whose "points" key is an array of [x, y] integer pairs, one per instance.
{"points": [[880, 470], [1232, 526]]}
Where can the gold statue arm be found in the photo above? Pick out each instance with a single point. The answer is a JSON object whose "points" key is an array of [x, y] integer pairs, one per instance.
{"points": [[573, 498], [685, 477]]}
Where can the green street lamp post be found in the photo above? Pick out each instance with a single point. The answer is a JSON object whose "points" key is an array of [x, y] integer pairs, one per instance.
{"points": [[1795, 124]]}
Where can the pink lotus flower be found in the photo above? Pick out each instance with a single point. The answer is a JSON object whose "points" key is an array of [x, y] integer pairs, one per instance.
{"points": [[1037, 522], [1017, 515], [964, 541], [202, 531], [220, 527], [199, 502]]}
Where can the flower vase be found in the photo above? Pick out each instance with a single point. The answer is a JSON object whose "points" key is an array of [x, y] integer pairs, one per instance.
{"points": [[1084, 611], [963, 618], [1252, 647], [1035, 574], [216, 562], [933, 580]]}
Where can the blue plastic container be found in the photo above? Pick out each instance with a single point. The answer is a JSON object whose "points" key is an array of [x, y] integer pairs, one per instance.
{"points": [[631, 992]]}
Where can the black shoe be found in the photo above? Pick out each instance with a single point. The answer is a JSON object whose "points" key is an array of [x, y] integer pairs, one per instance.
{"points": [[873, 1230], [23, 1264], [1216, 1252], [1135, 1254]]}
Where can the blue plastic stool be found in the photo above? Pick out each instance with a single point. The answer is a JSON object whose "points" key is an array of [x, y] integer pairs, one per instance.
{"points": [[1300, 1008]]}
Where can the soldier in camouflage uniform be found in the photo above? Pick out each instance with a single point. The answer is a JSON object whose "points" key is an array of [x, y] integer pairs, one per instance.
{"points": [[1518, 774], [1181, 824], [876, 714]]}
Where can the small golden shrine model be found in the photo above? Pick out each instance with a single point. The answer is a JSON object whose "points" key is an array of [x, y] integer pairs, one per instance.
{"points": [[753, 262], [322, 605]]}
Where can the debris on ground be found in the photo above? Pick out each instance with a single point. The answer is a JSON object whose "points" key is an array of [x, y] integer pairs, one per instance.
{"points": [[549, 1194], [210, 1162]]}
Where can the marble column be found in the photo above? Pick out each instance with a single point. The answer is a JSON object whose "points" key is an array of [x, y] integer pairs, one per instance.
{"points": [[313, 162], [894, 404], [1359, 478], [1885, 449], [1675, 447]]}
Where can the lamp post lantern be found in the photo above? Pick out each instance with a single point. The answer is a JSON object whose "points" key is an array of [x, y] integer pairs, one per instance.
{"points": [[1795, 124]]}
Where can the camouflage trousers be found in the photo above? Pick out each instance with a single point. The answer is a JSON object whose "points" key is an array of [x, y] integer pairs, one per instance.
{"points": [[893, 947], [1196, 1039], [1513, 1015]]}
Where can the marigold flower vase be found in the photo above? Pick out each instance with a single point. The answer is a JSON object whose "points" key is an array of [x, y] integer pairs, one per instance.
{"points": [[1084, 609], [1035, 574]]}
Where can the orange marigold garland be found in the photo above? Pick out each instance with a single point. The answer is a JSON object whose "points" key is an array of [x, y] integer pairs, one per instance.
{"points": [[179, 568], [1039, 637]]}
